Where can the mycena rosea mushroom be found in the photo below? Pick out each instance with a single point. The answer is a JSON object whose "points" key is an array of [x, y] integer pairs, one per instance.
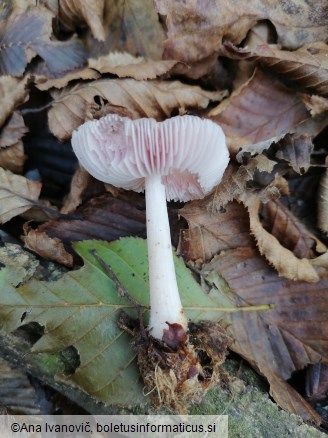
{"points": [[179, 159]]}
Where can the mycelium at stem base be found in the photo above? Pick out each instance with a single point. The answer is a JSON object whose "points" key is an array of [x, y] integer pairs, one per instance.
{"points": [[165, 303]]}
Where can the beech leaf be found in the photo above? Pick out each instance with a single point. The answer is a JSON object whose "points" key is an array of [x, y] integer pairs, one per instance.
{"points": [[32, 30], [125, 65], [12, 158], [16, 194], [44, 83], [315, 104], [307, 66], [73, 13], [13, 131], [46, 247], [208, 234], [323, 202], [282, 340], [289, 230], [155, 99], [13, 92], [104, 217], [11, 146], [82, 308], [134, 28], [286, 263], [235, 180], [196, 29], [296, 150], [250, 115]]}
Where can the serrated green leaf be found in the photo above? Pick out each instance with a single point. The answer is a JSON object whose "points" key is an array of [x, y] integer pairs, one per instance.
{"points": [[82, 308]]}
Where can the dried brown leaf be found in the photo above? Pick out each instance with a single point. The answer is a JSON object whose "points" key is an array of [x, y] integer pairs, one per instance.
{"points": [[289, 399], [155, 99], [208, 234], [235, 180], [13, 131], [12, 158], [296, 150], [103, 217], [261, 33], [80, 181], [43, 83], [310, 128], [307, 66], [258, 111], [16, 194], [134, 27], [279, 221], [284, 261], [315, 104], [282, 340], [125, 65], [323, 203], [13, 92], [74, 13], [30, 34], [196, 28], [11, 147], [316, 382], [46, 247]]}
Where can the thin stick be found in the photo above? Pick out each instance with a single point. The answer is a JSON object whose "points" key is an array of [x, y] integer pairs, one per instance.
{"points": [[119, 287]]}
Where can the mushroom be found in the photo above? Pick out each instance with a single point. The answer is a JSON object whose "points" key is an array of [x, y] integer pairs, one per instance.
{"points": [[179, 159]]}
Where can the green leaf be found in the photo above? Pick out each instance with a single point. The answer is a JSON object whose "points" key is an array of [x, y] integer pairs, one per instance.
{"points": [[81, 310]]}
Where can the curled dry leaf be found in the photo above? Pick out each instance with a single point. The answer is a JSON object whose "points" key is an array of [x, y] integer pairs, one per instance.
{"points": [[11, 146], [284, 261], [307, 66], [16, 194], [155, 99], [251, 114], [315, 104], [323, 203], [316, 382], [196, 29], [43, 83], [289, 230], [261, 33], [235, 180], [125, 65], [12, 158], [74, 13], [46, 247], [296, 150], [134, 28], [13, 92], [80, 181], [13, 131], [28, 35]]}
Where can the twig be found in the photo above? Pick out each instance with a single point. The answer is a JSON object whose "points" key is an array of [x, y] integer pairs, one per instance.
{"points": [[25, 111], [119, 287]]}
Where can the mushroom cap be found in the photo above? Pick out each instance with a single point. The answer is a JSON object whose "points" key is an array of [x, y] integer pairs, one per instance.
{"points": [[189, 152]]}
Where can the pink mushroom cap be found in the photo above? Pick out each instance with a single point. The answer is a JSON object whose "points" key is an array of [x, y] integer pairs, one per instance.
{"points": [[189, 153]]}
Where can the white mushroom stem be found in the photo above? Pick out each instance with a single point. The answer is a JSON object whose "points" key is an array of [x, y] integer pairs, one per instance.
{"points": [[165, 303]]}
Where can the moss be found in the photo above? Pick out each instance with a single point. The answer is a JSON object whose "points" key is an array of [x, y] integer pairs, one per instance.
{"points": [[252, 413]]}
